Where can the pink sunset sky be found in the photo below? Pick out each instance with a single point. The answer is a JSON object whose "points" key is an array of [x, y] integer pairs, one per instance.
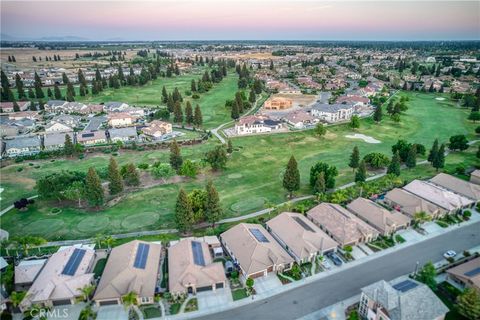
{"points": [[238, 20]]}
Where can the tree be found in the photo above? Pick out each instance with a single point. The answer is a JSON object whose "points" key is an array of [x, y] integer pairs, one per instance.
{"points": [[19, 86], [108, 241], [183, 212], [68, 146], [197, 117], [217, 158], [330, 173], [361, 174], [320, 130], [86, 292], [130, 299], [164, 95], [57, 93], [319, 186], [291, 178], [433, 153], [52, 186], [177, 113], [26, 242], [458, 142], [189, 169], [131, 176], [114, 177], [378, 114], [411, 160], [394, 166], [427, 275], [229, 146], [439, 160], [250, 283], [355, 122], [87, 313], [213, 210], [38, 87], [16, 297], [70, 92], [189, 113], [75, 192], [468, 304], [474, 116], [175, 156], [354, 158], [93, 188], [235, 114], [252, 97], [376, 160]]}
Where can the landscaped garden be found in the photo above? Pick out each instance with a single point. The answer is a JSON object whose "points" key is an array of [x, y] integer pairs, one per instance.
{"points": [[251, 181]]}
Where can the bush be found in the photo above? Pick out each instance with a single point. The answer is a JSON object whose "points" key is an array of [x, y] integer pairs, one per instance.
{"points": [[143, 166], [376, 160], [460, 169], [19, 169], [195, 96], [467, 213], [163, 170]]}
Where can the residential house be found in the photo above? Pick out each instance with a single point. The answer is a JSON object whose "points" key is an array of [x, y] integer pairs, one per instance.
{"points": [[7, 107], [22, 146], [26, 272], [255, 124], [56, 141], [355, 100], [409, 204], [475, 177], [278, 103], [401, 299], [300, 237], [55, 105], [191, 268], [91, 137], [115, 106], [131, 267], [332, 112], [13, 128], [157, 129], [59, 282], [385, 221], [120, 119], [58, 127], [69, 120], [30, 115], [254, 250], [467, 274], [300, 119], [339, 223], [459, 186], [446, 199], [124, 135]]}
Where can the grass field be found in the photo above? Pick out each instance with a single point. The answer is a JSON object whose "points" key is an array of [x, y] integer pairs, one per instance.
{"points": [[252, 178]]}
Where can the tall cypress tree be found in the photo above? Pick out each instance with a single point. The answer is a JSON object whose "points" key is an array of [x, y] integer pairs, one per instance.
{"points": [[354, 158], [19, 86], [394, 166], [235, 113], [170, 103], [439, 160], [68, 146], [361, 174], [378, 114], [433, 152], [38, 87], [70, 92], [197, 117], [193, 86], [239, 100], [132, 177], [7, 94], [57, 93], [164, 95], [177, 113], [291, 178], [411, 160], [114, 177], [319, 186], [189, 113], [213, 210], [93, 188], [183, 212], [176, 159]]}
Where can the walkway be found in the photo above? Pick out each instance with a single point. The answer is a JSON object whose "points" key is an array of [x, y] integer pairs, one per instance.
{"points": [[11, 207]]}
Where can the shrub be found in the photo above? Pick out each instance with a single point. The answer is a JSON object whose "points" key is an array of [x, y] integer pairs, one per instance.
{"points": [[19, 169], [460, 169], [195, 96], [467, 213], [163, 170], [143, 166]]}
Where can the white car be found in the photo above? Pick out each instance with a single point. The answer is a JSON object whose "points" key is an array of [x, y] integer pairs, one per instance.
{"points": [[326, 265], [449, 254]]}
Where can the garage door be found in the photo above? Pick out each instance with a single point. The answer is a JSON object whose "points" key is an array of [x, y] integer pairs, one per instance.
{"points": [[201, 289], [219, 285], [108, 302], [257, 275], [61, 302]]}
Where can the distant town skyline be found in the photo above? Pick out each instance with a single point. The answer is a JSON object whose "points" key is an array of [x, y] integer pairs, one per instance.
{"points": [[241, 20]]}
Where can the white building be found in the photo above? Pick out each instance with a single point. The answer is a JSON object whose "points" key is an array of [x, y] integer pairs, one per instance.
{"points": [[332, 112]]}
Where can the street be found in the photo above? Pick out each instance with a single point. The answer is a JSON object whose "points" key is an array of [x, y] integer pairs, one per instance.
{"points": [[344, 284]]}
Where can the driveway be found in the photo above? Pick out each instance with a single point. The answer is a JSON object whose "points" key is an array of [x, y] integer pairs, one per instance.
{"points": [[117, 312], [432, 227], [357, 253], [410, 235], [268, 284], [67, 312], [213, 299]]}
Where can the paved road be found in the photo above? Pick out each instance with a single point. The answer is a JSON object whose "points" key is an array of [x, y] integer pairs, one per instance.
{"points": [[326, 291]]}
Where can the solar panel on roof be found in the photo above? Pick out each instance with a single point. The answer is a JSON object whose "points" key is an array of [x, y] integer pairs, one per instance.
{"points": [[197, 251], [258, 235], [473, 272], [87, 135], [141, 256], [404, 286], [73, 262], [303, 224]]}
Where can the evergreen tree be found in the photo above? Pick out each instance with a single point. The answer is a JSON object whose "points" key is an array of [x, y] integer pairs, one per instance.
{"points": [[252, 97], [433, 154], [320, 130], [439, 160], [468, 304], [114, 177], [197, 117], [70, 92], [354, 158], [235, 113], [319, 186], [229, 146], [38, 87], [176, 95], [6, 90], [131, 176], [361, 174], [213, 210], [193, 86], [65, 78], [411, 160], [68, 146], [19, 86], [81, 77], [170, 103], [427, 275], [183, 212], [355, 122], [189, 113], [177, 113], [164, 95], [217, 158], [16, 107], [81, 90], [93, 188], [31, 94], [291, 178], [175, 156], [394, 166], [377, 115], [239, 100], [57, 93], [49, 93]]}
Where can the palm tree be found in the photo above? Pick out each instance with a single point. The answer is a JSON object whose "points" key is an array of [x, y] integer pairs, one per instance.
{"points": [[99, 239], [16, 297], [5, 243], [87, 313], [27, 242], [108, 241], [86, 292], [130, 299], [421, 217]]}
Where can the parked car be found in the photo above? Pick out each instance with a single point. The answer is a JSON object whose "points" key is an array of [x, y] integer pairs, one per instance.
{"points": [[326, 264], [336, 260], [449, 254]]}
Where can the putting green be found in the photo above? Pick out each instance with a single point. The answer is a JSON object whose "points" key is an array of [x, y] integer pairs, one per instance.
{"points": [[92, 224], [249, 204], [46, 226], [140, 220]]}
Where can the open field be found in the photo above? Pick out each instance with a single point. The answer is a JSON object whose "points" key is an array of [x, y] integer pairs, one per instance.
{"points": [[252, 178]]}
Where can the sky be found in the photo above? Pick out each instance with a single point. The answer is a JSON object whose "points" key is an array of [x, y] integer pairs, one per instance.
{"points": [[242, 20]]}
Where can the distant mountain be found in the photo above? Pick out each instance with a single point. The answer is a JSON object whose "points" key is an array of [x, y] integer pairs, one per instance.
{"points": [[62, 38], [7, 37]]}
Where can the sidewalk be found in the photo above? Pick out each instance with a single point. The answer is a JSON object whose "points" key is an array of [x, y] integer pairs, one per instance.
{"points": [[333, 312]]}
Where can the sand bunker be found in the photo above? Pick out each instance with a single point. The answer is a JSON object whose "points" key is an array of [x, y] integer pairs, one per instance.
{"points": [[363, 137], [440, 98]]}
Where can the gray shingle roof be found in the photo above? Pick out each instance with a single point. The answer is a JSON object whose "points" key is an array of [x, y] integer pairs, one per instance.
{"points": [[330, 107], [55, 139], [122, 132], [22, 142]]}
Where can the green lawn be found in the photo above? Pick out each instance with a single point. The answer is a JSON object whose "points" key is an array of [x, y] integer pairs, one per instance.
{"points": [[150, 312], [251, 180], [99, 267], [239, 294]]}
